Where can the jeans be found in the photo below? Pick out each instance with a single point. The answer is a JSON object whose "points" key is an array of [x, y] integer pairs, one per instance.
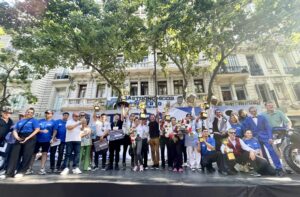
{"points": [[72, 147], [137, 151], [163, 143], [53, 150]]}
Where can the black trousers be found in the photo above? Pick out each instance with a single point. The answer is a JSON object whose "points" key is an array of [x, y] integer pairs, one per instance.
{"points": [[217, 156], [145, 150], [23, 151], [260, 165], [126, 144], [53, 150], [163, 142], [184, 153], [177, 154], [114, 152], [219, 139]]}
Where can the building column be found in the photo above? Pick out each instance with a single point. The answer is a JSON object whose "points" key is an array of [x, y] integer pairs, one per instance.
{"points": [[233, 92]]}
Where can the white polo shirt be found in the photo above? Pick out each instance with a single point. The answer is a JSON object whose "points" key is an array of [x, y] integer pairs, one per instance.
{"points": [[73, 135]]}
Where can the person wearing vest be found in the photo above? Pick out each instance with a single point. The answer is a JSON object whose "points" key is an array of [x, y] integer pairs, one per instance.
{"points": [[207, 148], [243, 154]]}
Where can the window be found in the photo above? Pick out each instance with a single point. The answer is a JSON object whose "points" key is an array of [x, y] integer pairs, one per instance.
{"points": [[18, 102], [279, 89], [114, 92], [162, 88], [240, 92], [226, 93], [270, 61], [144, 88], [133, 88], [199, 87], [233, 61], [58, 102], [255, 69], [178, 87], [297, 91], [100, 91], [263, 92], [82, 91]]}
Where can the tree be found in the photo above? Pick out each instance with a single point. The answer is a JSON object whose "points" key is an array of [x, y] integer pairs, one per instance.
{"points": [[235, 22], [106, 38], [12, 71], [179, 37]]}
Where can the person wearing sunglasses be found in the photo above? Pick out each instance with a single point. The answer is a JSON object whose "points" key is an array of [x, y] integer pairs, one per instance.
{"points": [[25, 134]]}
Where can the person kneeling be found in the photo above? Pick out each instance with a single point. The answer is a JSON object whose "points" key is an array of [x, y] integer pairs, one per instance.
{"points": [[238, 152], [206, 147]]}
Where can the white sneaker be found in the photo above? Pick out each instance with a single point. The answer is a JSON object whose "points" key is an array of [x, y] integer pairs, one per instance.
{"points": [[135, 168], [42, 171], [185, 165], [19, 176], [29, 172], [2, 177], [76, 171], [65, 172], [2, 172], [89, 169], [141, 168]]}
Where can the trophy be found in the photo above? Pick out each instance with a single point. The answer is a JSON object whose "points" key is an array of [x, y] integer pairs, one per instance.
{"points": [[167, 108], [228, 150], [98, 105], [122, 102], [142, 107]]}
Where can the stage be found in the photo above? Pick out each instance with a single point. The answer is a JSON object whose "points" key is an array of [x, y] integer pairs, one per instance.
{"points": [[152, 183]]}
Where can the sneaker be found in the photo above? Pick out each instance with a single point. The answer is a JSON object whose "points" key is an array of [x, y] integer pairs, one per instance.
{"points": [[103, 168], [109, 168], [124, 166], [255, 174], [180, 170], [117, 167], [95, 168], [175, 170], [2, 172], [279, 172], [170, 168], [135, 168], [238, 167], [29, 172], [42, 171], [193, 169], [141, 168], [19, 175], [2, 177], [55, 171], [89, 169], [185, 164], [146, 168], [76, 171], [65, 172]]}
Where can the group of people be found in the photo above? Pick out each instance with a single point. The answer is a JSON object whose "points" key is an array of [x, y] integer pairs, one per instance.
{"points": [[237, 143]]}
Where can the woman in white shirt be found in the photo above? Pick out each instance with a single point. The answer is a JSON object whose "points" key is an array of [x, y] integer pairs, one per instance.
{"points": [[86, 144], [137, 132]]}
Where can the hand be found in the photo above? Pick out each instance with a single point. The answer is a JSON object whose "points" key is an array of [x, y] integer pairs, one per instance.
{"points": [[270, 141], [53, 140], [25, 140], [44, 131], [101, 138], [252, 155], [19, 139]]}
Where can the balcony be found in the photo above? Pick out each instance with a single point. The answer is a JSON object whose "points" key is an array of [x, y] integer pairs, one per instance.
{"points": [[80, 70], [241, 103], [292, 71], [232, 74], [61, 76], [255, 70], [81, 103]]}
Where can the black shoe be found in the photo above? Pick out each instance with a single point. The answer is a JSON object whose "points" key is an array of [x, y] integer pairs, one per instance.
{"points": [[117, 167], [279, 172], [210, 170], [224, 173], [109, 168], [288, 171], [124, 166]]}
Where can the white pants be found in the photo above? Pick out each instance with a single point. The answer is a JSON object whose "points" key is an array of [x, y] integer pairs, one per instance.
{"points": [[193, 157]]}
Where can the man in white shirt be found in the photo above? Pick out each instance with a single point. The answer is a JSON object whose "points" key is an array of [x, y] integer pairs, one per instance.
{"points": [[73, 143], [145, 139]]}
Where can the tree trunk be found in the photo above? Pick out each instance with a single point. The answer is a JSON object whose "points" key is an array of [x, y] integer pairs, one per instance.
{"points": [[3, 99], [211, 82], [185, 85]]}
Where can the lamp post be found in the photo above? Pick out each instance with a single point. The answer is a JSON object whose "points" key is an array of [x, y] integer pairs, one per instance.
{"points": [[155, 75]]}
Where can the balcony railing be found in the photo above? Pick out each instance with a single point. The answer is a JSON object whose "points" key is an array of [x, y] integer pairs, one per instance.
{"points": [[292, 71], [82, 102], [61, 76], [233, 69], [255, 70]]}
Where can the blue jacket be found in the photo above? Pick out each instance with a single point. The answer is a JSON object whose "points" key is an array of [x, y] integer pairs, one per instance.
{"points": [[262, 131]]}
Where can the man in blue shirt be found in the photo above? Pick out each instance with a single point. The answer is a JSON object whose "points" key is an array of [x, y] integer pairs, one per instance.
{"points": [[43, 141], [209, 154], [262, 130], [59, 135]]}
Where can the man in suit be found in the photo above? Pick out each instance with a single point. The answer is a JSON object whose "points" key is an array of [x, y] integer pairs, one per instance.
{"points": [[262, 130], [219, 128]]}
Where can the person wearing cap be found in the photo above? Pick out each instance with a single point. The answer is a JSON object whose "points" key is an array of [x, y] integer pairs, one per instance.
{"points": [[6, 126], [60, 131], [102, 131], [44, 138], [25, 134], [73, 143], [262, 130], [243, 154], [207, 148]]}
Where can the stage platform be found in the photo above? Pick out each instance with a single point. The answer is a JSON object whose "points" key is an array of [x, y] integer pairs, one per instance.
{"points": [[152, 183]]}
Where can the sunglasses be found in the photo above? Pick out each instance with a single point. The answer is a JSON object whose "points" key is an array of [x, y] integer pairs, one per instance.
{"points": [[76, 116], [232, 133]]}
